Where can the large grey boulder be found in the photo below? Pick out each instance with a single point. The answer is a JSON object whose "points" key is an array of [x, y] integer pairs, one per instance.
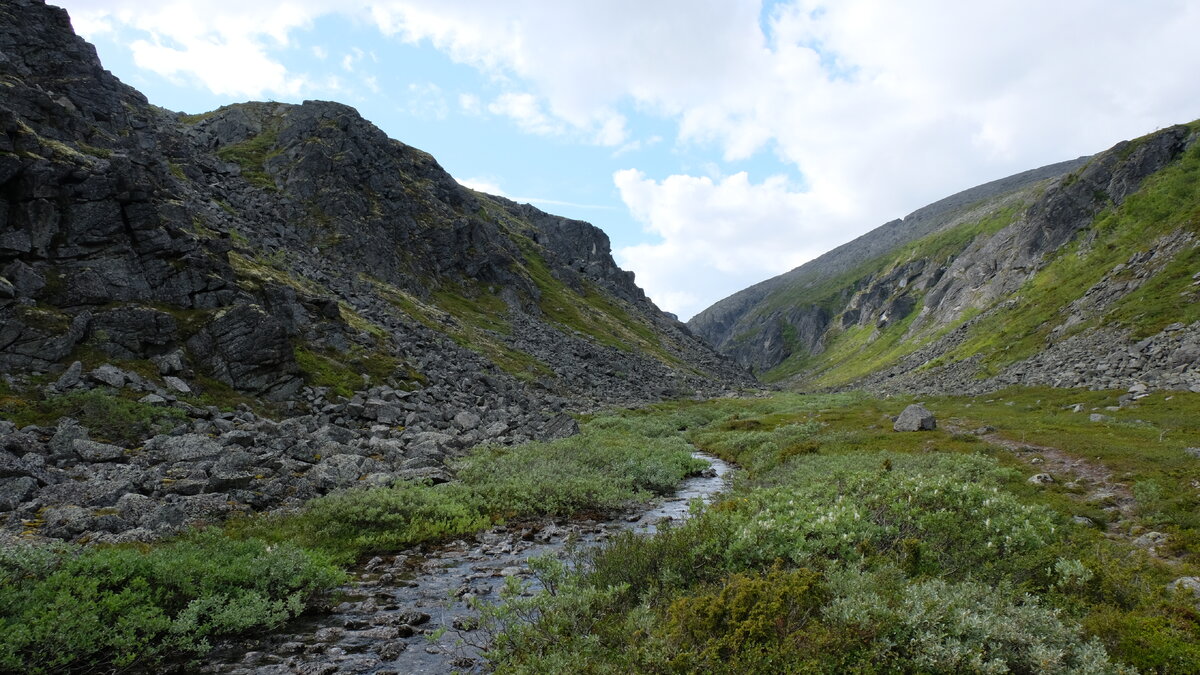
{"points": [[16, 490], [915, 417], [185, 448], [466, 420], [110, 375], [95, 451], [70, 377], [1186, 584]]}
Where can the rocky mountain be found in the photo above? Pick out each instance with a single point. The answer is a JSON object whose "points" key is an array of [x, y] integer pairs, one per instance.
{"points": [[1075, 274], [296, 300]]}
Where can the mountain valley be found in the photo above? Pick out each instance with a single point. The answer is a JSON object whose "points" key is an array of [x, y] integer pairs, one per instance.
{"points": [[273, 384]]}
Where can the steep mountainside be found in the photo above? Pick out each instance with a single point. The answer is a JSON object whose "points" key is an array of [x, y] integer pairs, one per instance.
{"points": [[1077, 274], [176, 265], [763, 325]]}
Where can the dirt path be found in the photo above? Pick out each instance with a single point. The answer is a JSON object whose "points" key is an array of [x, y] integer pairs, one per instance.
{"points": [[1095, 478]]}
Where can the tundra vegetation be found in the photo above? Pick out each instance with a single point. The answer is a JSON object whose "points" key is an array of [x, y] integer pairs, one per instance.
{"points": [[841, 546], [847, 547]]}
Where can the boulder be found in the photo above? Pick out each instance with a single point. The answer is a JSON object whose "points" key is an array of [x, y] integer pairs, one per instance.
{"points": [[1186, 584], [70, 377], [249, 349], [110, 375], [185, 448], [562, 426], [466, 420], [62, 444], [94, 451], [176, 384], [170, 363], [915, 417], [16, 491]]}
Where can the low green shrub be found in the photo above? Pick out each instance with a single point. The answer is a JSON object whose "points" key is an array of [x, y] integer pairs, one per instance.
{"points": [[938, 626], [751, 624], [943, 514], [109, 417], [351, 523], [608, 465], [653, 569], [119, 606]]}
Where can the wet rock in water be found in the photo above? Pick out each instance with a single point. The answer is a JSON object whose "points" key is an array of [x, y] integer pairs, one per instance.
{"points": [[322, 668], [915, 417], [392, 650], [414, 618]]}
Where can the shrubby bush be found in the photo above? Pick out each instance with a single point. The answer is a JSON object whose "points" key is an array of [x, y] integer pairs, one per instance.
{"points": [[933, 625], [613, 462], [848, 563], [126, 605], [353, 522], [942, 514]]}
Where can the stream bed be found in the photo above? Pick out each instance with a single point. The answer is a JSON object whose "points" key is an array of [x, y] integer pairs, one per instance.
{"points": [[390, 613]]}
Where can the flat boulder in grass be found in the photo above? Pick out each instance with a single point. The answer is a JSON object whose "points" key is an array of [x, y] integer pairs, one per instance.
{"points": [[915, 417]]}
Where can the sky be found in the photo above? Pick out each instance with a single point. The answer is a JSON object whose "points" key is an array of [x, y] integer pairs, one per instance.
{"points": [[717, 142]]}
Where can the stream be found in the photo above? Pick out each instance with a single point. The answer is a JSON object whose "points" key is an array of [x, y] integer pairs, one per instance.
{"points": [[391, 612]]}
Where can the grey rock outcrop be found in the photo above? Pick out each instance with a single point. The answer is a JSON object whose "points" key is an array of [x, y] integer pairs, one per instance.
{"points": [[915, 417]]}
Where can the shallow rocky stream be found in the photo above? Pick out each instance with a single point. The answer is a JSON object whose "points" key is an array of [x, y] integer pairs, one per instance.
{"points": [[389, 616]]}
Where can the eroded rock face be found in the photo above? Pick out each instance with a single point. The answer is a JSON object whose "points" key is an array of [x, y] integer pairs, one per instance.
{"points": [[247, 348], [292, 253], [237, 235]]}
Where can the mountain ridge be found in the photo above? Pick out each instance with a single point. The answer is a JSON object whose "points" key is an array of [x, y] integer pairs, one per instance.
{"points": [[283, 284], [880, 323]]}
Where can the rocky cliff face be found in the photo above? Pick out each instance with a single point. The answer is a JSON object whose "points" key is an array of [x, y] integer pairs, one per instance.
{"points": [[1063, 276], [265, 252]]}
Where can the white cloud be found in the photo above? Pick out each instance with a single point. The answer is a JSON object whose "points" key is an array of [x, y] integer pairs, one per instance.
{"points": [[426, 101], [350, 58], [226, 68], [489, 185], [880, 106], [320, 52], [717, 235], [470, 104], [228, 46], [525, 110]]}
